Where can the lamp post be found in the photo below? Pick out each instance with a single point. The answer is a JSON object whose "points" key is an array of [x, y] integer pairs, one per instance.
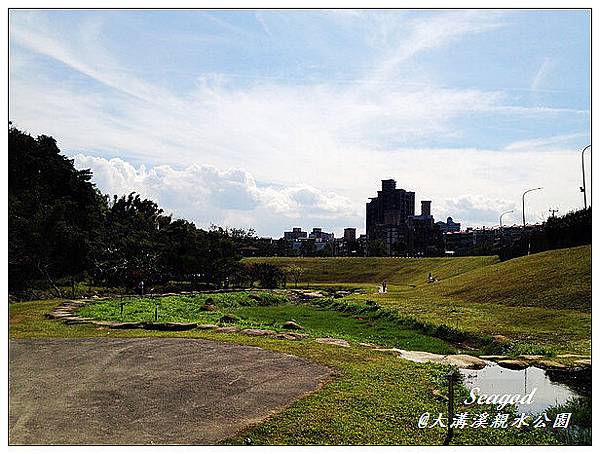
{"points": [[523, 198], [582, 188], [506, 212], [524, 226]]}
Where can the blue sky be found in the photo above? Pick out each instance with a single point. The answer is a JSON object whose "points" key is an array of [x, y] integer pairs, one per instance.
{"points": [[269, 119]]}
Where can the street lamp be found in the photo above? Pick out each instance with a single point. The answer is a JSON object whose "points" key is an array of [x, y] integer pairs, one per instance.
{"points": [[529, 190], [582, 188], [524, 227], [506, 212]]}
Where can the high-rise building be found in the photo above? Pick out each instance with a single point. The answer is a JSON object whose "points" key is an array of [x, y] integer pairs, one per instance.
{"points": [[393, 225], [350, 234]]}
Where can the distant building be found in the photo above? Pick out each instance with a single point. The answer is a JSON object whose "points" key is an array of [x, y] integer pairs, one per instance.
{"points": [[448, 226], [319, 236], [350, 234], [392, 224], [295, 234]]}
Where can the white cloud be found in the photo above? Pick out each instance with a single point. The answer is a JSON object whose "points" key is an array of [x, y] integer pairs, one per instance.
{"points": [[207, 195], [318, 149]]}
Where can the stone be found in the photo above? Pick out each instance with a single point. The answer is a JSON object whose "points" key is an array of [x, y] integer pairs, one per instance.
{"points": [[257, 332], [170, 326], [126, 325], [494, 357], [332, 341], [515, 364], [464, 361], [226, 329], [500, 338], [532, 357], [584, 362], [207, 326], [550, 364], [208, 308], [290, 324], [312, 295], [228, 318]]}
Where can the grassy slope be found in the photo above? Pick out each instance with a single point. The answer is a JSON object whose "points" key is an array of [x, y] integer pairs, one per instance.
{"points": [[373, 270], [560, 279], [375, 397], [543, 299]]}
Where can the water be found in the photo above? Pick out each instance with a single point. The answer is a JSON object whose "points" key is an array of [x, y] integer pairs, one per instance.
{"points": [[494, 379]]}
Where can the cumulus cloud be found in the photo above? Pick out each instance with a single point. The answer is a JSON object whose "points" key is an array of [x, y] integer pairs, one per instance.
{"points": [[209, 195]]}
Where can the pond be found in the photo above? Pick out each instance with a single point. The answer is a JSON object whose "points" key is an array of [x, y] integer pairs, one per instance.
{"points": [[551, 389]]}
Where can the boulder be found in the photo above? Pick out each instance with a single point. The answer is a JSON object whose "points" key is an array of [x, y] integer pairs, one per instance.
{"points": [[550, 364], [290, 324], [257, 332], [226, 329], [126, 325], [464, 361], [208, 307], [228, 318], [170, 326], [332, 341], [207, 326], [515, 364], [584, 362]]}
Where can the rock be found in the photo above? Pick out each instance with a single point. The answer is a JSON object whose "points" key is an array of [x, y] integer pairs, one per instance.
{"points": [[332, 341], [418, 357], [228, 318], [464, 361], [341, 294], [171, 326], [312, 295], [532, 357], [126, 325], [584, 362], [550, 364], [494, 357], [290, 324], [207, 326], [226, 329], [208, 308], [287, 336], [515, 364], [257, 332], [500, 338]]}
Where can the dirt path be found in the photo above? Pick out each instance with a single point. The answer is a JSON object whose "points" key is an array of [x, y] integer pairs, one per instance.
{"points": [[147, 391]]}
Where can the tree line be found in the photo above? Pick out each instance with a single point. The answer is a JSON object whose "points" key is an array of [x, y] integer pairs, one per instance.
{"points": [[63, 230]]}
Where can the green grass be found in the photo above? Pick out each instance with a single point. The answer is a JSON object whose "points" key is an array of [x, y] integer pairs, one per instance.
{"points": [[269, 310], [374, 398], [373, 270], [541, 303], [559, 279]]}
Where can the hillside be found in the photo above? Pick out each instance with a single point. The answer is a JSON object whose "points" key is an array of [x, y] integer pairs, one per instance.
{"points": [[373, 270], [560, 279]]}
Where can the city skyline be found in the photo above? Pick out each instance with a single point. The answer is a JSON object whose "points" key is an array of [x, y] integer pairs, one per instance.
{"points": [[274, 119]]}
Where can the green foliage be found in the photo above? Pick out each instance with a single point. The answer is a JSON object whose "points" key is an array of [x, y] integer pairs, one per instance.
{"points": [[61, 227]]}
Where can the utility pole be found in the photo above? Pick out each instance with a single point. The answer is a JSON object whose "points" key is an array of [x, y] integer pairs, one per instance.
{"points": [[582, 188]]}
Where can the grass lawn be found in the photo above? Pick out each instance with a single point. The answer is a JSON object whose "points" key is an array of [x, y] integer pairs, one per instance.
{"points": [[540, 302], [375, 398]]}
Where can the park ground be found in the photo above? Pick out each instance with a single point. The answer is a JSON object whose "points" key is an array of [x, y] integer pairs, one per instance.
{"points": [[535, 304]]}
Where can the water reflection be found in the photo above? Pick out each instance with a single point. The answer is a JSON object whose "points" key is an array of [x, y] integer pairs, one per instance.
{"points": [[494, 379]]}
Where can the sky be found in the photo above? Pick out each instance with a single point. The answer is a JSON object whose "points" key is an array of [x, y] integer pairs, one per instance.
{"points": [[271, 119]]}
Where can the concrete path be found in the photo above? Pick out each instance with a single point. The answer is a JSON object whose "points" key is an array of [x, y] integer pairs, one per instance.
{"points": [[147, 391]]}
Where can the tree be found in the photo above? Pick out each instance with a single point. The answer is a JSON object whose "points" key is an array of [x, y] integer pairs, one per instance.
{"points": [[296, 272]]}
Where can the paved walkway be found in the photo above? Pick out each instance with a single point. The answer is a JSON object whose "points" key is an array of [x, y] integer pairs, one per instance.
{"points": [[147, 391]]}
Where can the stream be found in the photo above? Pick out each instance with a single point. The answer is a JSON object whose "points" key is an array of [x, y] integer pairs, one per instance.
{"points": [[552, 388]]}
